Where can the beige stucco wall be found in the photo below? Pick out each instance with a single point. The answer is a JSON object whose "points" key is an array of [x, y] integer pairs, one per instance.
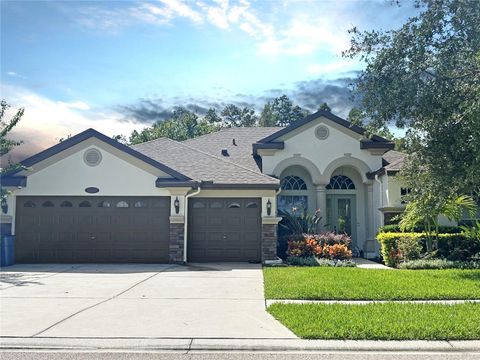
{"points": [[340, 153], [302, 143], [68, 175]]}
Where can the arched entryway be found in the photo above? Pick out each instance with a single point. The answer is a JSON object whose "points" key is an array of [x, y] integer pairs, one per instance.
{"points": [[342, 206]]}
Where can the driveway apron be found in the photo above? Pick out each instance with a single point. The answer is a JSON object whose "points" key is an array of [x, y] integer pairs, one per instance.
{"points": [[152, 301]]}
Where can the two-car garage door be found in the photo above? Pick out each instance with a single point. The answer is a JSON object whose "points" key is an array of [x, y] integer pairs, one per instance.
{"points": [[92, 229]]}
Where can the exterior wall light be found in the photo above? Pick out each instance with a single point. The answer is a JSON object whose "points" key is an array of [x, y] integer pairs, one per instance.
{"points": [[4, 205], [176, 204], [269, 207]]}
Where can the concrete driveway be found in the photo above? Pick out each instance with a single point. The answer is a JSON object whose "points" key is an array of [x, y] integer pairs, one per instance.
{"points": [[195, 301]]}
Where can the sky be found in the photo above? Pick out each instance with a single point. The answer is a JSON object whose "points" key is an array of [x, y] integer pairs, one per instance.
{"points": [[117, 66]]}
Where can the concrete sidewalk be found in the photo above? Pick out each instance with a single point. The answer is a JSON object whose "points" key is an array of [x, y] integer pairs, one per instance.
{"points": [[212, 344]]}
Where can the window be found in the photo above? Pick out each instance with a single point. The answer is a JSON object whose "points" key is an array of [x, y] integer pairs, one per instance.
{"points": [[140, 204], [29, 204], [293, 183], [294, 193], [48, 204], [234, 206], [404, 192], [288, 202], [252, 205], [104, 204], [66, 204], [199, 205], [216, 205], [85, 204], [340, 182], [122, 204]]}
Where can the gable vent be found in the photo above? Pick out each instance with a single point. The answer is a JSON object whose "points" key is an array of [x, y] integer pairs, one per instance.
{"points": [[322, 132], [92, 157]]}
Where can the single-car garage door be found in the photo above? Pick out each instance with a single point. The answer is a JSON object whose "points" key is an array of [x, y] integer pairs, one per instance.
{"points": [[92, 229], [224, 229]]}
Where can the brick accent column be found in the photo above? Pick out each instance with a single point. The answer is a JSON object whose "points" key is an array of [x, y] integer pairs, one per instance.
{"points": [[176, 243], [269, 242]]}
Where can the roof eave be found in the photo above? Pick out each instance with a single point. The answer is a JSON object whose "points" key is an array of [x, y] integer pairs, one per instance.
{"points": [[13, 181], [326, 114], [45, 154]]}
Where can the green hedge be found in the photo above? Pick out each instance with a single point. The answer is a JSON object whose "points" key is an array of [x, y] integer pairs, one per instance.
{"points": [[455, 247], [421, 228]]}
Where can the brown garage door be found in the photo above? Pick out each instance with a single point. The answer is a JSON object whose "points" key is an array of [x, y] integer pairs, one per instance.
{"points": [[92, 229], [224, 229]]}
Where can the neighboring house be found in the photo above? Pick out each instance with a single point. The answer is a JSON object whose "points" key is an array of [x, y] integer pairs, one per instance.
{"points": [[212, 198]]}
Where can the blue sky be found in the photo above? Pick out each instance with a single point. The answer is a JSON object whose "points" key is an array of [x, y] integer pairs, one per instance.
{"points": [[75, 65]]}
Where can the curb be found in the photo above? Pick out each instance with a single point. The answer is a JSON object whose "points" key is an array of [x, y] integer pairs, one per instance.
{"points": [[208, 344]]}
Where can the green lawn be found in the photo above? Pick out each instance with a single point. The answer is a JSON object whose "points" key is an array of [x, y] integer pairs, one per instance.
{"points": [[364, 284], [379, 321]]}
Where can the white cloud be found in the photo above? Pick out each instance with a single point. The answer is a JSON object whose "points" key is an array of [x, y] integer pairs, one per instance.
{"points": [[340, 65], [14, 74], [46, 120]]}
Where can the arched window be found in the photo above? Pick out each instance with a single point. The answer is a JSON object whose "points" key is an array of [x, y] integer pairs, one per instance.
{"points": [[293, 183], [48, 204], [294, 193], [66, 204], [340, 182], [85, 204], [122, 204]]}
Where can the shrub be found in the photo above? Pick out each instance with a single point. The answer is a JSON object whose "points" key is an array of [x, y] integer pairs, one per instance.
{"points": [[409, 248], [299, 221], [421, 228], [326, 245], [450, 246], [335, 263], [438, 264], [337, 251], [302, 261]]}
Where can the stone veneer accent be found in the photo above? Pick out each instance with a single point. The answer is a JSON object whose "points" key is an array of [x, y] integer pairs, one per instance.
{"points": [[269, 242], [175, 248]]}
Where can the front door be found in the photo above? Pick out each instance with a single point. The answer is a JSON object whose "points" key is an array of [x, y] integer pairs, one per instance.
{"points": [[341, 215]]}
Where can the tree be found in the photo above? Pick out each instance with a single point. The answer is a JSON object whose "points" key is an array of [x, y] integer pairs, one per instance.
{"points": [[356, 117], [425, 77], [281, 112], [182, 125], [233, 116], [324, 106], [212, 117], [6, 145]]}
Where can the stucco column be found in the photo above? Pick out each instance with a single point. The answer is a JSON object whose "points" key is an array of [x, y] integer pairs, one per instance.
{"points": [[321, 195], [369, 246]]}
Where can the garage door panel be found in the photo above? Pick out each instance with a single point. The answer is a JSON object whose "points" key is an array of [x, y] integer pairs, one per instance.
{"points": [[92, 229], [224, 229]]}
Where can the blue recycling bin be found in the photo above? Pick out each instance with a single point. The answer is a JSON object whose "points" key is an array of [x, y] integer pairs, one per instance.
{"points": [[7, 250]]}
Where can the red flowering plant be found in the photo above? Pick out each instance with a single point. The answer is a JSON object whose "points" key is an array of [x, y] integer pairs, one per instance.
{"points": [[324, 245]]}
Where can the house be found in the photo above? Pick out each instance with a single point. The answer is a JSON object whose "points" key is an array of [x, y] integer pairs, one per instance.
{"points": [[211, 198]]}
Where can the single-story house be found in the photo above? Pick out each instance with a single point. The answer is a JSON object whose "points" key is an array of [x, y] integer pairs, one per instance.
{"points": [[211, 198]]}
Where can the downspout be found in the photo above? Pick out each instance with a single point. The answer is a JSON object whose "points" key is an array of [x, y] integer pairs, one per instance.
{"points": [[381, 192], [185, 223]]}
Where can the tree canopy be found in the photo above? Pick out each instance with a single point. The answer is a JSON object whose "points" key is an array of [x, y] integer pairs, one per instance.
{"points": [[185, 124], [425, 77]]}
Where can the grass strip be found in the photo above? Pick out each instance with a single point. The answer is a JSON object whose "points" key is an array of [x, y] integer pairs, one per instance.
{"points": [[323, 283], [385, 321]]}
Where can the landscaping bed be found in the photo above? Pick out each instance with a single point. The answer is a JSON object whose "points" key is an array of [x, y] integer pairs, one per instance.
{"points": [[381, 321], [329, 283]]}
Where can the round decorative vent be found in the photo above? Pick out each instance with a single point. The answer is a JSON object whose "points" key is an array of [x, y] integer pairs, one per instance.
{"points": [[92, 157], [322, 132]]}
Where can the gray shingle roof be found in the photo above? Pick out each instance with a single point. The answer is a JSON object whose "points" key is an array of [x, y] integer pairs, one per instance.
{"points": [[394, 160], [241, 152], [199, 165]]}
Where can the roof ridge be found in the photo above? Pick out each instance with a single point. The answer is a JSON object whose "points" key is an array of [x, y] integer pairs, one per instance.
{"points": [[219, 158], [149, 141], [225, 129]]}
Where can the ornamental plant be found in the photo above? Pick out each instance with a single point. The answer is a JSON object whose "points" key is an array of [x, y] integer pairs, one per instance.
{"points": [[325, 245]]}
